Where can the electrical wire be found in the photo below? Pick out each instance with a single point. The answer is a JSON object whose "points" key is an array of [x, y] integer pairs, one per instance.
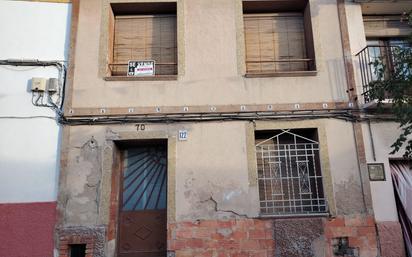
{"points": [[14, 69], [27, 117], [173, 118], [55, 104]]}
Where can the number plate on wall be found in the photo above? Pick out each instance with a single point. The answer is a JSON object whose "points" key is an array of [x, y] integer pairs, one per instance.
{"points": [[376, 172]]}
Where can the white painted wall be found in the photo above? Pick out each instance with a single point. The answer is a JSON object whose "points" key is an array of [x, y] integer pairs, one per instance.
{"points": [[29, 147], [384, 135]]}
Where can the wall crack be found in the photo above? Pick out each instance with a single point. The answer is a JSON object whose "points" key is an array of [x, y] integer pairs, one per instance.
{"points": [[216, 208]]}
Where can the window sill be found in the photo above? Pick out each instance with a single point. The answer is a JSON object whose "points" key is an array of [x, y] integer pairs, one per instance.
{"points": [[148, 78], [281, 74], [287, 216]]}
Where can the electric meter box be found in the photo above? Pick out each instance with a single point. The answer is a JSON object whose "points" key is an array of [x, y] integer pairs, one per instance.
{"points": [[38, 84], [52, 85]]}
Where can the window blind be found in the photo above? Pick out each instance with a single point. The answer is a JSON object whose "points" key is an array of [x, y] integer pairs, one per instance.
{"points": [[275, 42], [390, 25], [145, 37]]}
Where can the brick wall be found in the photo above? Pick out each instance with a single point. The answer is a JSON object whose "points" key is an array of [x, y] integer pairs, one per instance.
{"points": [[92, 237], [258, 237], [360, 230], [222, 238]]}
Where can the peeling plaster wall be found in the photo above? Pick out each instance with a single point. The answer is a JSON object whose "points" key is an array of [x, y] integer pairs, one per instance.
{"points": [[212, 170], [212, 192], [344, 168], [79, 187], [213, 163], [85, 183]]}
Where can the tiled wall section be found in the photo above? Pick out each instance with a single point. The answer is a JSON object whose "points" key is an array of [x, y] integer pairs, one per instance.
{"points": [[258, 238]]}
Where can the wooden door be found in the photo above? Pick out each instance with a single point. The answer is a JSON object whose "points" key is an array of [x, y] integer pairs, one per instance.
{"points": [[142, 217]]}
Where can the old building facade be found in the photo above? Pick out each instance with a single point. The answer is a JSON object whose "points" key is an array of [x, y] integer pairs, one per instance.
{"points": [[248, 140]]}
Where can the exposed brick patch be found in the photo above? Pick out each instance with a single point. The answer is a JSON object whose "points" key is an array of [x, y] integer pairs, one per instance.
{"points": [[93, 238], [359, 229], [222, 238], [391, 239]]}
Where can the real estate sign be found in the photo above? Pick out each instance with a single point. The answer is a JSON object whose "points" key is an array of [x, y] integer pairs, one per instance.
{"points": [[141, 68]]}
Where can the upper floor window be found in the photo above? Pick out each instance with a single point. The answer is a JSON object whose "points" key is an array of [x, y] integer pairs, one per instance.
{"points": [[289, 174], [278, 37], [380, 26], [144, 32], [384, 54]]}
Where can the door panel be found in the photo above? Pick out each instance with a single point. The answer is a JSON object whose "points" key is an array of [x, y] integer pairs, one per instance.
{"points": [[143, 218]]}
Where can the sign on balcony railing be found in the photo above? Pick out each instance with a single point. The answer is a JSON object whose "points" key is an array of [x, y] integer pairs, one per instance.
{"points": [[141, 68]]}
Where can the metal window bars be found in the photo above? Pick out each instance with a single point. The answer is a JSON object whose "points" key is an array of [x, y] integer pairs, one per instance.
{"points": [[289, 176], [381, 59]]}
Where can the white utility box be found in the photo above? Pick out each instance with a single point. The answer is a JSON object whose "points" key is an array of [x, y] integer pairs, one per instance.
{"points": [[53, 85], [38, 84]]}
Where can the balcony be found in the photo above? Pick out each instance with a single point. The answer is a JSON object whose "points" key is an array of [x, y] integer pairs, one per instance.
{"points": [[384, 65]]}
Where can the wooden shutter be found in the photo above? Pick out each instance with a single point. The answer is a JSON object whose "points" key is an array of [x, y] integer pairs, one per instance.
{"points": [[275, 42], [386, 26], [145, 38]]}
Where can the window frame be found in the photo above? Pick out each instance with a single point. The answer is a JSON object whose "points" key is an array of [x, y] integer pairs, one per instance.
{"points": [[319, 127], [149, 10], [278, 8], [289, 175]]}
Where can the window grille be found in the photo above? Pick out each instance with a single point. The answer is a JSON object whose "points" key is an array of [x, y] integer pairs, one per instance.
{"points": [[289, 176]]}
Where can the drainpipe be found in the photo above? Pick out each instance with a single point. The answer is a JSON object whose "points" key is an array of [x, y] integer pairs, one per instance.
{"points": [[352, 94]]}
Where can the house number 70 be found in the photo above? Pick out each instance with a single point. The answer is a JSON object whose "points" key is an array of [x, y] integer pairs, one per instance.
{"points": [[140, 127]]}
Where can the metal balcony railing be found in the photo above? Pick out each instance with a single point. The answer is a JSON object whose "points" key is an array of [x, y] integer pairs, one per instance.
{"points": [[379, 62]]}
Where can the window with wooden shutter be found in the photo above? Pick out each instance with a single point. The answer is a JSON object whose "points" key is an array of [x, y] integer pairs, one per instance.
{"points": [[386, 26], [144, 32], [277, 42]]}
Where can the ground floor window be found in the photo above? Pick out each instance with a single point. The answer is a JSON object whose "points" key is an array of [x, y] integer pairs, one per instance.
{"points": [[289, 174]]}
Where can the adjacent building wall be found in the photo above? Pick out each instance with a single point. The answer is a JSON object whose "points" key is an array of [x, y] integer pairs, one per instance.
{"points": [[378, 136], [29, 148]]}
